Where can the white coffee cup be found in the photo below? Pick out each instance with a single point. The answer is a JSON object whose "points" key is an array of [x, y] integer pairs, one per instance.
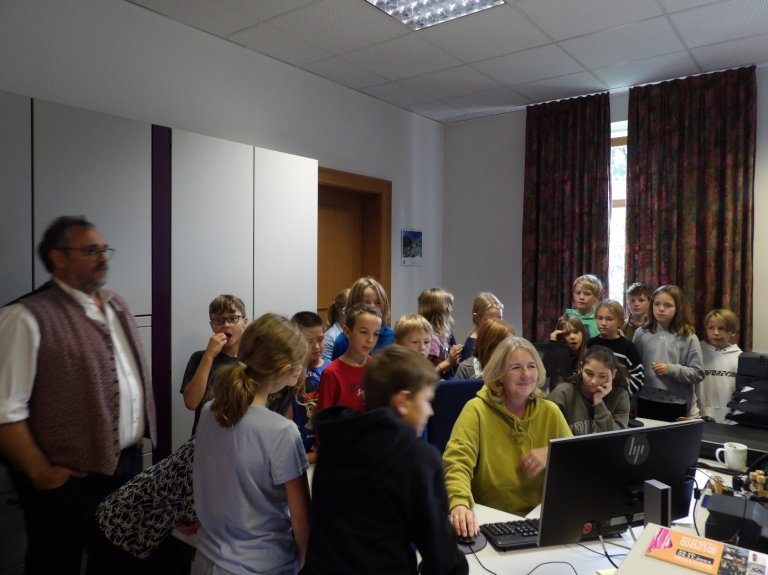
{"points": [[735, 455]]}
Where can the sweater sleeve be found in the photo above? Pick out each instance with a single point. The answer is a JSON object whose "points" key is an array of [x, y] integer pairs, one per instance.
{"points": [[635, 369], [460, 457], [615, 416], [691, 371], [435, 538]]}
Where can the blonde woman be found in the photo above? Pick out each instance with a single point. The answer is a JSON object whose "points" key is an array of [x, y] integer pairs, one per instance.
{"points": [[499, 444]]}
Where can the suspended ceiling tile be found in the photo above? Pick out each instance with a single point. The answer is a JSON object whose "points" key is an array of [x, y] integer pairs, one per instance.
{"points": [[722, 22], [650, 70], [268, 40], [563, 87], [630, 42], [491, 100], [346, 73], [678, 5], [403, 57], [340, 26], [398, 95], [452, 82], [753, 50], [567, 19], [494, 32], [535, 64]]}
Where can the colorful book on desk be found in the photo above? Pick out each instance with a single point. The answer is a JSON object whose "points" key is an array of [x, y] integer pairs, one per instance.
{"points": [[705, 555]]}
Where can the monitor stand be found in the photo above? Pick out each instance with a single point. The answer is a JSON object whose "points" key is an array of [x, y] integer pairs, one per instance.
{"points": [[657, 503]]}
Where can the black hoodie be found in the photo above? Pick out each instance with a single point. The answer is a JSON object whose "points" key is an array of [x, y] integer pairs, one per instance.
{"points": [[378, 494]]}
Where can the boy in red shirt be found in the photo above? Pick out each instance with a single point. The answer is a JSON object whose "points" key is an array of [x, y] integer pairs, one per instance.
{"points": [[341, 382]]}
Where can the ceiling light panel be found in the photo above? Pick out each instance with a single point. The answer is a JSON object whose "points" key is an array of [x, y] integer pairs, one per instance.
{"points": [[418, 14]]}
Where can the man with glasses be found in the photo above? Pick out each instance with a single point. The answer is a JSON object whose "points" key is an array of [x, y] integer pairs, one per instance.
{"points": [[228, 321], [75, 395]]}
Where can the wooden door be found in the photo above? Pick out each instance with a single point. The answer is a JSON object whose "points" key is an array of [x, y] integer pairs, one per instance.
{"points": [[354, 235]]}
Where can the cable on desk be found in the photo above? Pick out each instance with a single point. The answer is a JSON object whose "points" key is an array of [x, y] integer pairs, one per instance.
{"points": [[481, 563], [696, 498], [605, 552], [617, 555], [553, 563]]}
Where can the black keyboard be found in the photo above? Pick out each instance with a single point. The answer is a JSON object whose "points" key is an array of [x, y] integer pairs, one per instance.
{"points": [[512, 534]]}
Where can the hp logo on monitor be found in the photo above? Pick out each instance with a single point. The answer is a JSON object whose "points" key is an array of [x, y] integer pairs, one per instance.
{"points": [[636, 449]]}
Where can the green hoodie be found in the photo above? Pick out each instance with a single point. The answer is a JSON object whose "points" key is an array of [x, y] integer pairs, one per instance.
{"points": [[481, 457]]}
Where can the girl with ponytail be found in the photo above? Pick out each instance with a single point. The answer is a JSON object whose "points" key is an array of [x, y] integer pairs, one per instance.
{"points": [[250, 480]]}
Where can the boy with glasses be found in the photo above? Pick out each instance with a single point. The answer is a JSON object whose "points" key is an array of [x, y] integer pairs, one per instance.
{"points": [[228, 321]]}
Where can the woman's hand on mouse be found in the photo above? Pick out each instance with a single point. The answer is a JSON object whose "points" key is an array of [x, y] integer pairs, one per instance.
{"points": [[464, 521]]}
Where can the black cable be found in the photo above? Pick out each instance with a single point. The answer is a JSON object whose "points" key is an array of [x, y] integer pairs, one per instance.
{"points": [[605, 552], [474, 553], [715, 480], [601, 553], [553, 563]]}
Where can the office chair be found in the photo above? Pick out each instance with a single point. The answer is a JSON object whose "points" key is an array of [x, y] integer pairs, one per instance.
{"points": [[556, 358], [450, 397]]}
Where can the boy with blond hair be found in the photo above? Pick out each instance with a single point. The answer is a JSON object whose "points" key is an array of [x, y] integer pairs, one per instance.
{"points": [[414, 332], [721, 362], [378, 491], [586, 296]]}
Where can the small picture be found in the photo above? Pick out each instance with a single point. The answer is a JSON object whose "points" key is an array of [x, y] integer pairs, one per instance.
{"points": [[411, 248]]}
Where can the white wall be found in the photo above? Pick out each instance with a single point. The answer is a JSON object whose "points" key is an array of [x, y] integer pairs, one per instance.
{"points": [[118, 58], [15, 177], [484, 167], [483, 205]]}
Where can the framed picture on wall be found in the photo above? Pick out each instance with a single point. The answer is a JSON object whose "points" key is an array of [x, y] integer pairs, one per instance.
{"points": [[410, 248]]}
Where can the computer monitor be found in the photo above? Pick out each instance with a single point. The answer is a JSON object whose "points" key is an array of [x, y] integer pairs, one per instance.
{"points": [[594, 481]]}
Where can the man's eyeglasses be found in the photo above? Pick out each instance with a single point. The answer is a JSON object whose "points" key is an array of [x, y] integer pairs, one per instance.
{"points": [[231, 320], [92, 252]]}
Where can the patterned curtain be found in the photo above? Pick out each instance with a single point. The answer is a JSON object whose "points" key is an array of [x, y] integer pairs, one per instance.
{"points": [[690, 171], [566, 208]]}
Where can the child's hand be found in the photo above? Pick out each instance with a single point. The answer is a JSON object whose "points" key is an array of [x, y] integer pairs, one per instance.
{"points": [[455, 354], [602, 390], [660, 368], [555, 335], [215, 344]]}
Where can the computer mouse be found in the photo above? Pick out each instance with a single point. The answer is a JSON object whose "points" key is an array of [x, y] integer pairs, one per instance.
{"points": [[468, 540]]}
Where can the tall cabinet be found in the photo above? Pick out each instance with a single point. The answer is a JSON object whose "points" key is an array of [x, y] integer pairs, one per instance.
{"points": [[243, 220]]}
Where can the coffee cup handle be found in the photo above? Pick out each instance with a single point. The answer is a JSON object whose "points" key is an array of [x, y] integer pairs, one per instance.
{"points": [[720, 451]]}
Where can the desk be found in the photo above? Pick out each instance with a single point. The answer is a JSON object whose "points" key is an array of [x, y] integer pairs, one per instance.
{"points": [[584, 561], [522, 561]]}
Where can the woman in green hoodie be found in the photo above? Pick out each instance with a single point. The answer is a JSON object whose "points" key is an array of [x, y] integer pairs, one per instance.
{"points": [[498, 447]]}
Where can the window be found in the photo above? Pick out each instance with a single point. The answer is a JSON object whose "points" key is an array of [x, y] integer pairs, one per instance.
{"points": [[617, 235]]}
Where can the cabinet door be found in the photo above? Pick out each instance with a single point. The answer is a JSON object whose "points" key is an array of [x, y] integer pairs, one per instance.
{"points": [[211, 245], [284, 233], [16, 249], [99, 166]]}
